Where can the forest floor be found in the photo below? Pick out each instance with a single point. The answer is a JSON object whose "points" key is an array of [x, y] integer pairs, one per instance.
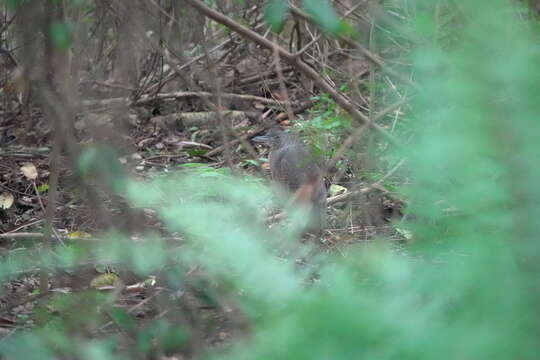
{"points": [[147, 150], [148, 140]]}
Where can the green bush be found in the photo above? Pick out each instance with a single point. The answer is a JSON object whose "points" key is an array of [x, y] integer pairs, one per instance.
{"points": [[465, 289]]}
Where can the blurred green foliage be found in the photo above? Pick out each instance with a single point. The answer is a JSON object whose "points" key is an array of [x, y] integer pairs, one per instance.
{"points": [[325, 16], [275, 13], [467, 286], [61, 33], [100, 162]]}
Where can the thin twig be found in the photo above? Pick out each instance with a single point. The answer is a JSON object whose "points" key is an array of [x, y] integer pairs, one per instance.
{"points": [[369, 55], [293, 61], [53, 230]]}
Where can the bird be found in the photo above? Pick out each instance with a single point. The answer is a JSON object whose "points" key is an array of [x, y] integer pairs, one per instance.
{"points": [[294, 168]]}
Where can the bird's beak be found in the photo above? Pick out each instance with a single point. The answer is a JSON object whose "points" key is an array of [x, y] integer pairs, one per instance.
{"points": [[265, 139]]}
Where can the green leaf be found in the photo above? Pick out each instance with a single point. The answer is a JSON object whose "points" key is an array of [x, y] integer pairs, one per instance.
{"points": [[43, 188], [275, 13], [347, 29], [197, 152]]}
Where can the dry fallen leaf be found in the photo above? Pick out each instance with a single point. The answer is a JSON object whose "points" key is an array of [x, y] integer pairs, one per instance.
{"points": [[6, 200], [336, 190], [192, 144], [29, 171], [258, 105], [78, 235], [105, 280], [407, 234]]}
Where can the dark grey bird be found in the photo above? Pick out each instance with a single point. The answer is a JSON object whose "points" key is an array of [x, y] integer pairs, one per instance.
{"points": [[296, 170]]}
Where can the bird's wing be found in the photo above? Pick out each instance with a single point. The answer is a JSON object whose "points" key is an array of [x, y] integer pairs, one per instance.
{"points": [[292, 166]]}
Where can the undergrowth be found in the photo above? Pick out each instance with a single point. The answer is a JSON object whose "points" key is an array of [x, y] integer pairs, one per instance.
{"points": [[467, 287]]}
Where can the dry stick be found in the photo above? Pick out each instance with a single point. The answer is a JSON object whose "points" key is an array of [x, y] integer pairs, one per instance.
{"points": [[306, 105], [109, 85], [49, 214], [221, 148], [346, 15], [33, 222], [218, 107], [51, 206], [45, 211], [62, 115], [208, 103], [308, 45], [147, 99], [8, 23], [259, 76], [369, 55], [293, 60], [224, 125], [176, 71], [372, 46], [203, 94], [371, 100], [20, 235], [13, 191], [282, 87]]}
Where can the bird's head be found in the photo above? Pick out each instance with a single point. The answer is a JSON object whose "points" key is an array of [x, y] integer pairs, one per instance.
{"points": [[274, 137]]}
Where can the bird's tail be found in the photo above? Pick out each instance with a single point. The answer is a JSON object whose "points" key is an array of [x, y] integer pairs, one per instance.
{"points": [[312, 196]]}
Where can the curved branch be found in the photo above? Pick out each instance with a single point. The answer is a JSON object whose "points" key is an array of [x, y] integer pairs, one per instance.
{"points": [[293, 61]]}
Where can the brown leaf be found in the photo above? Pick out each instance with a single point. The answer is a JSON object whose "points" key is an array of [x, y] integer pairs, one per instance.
{"points": [[29, 171], [6, 200]]}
